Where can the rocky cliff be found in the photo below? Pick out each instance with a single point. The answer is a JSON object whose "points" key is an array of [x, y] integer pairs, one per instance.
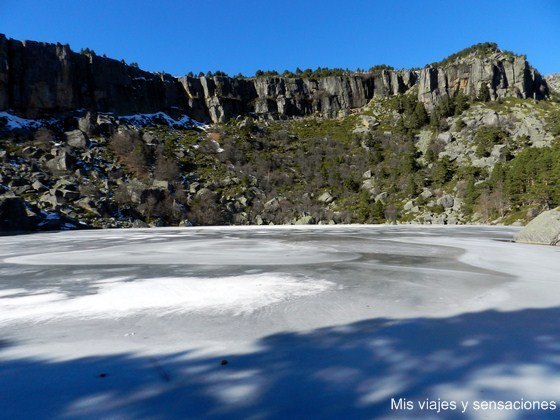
{"points": [[220, 98], [37, 79], [553, 81], [505, 75]]}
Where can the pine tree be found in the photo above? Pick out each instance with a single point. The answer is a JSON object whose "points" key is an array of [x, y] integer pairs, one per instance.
{"points": [[400, 126], [419, 116], [484, 93], [378, 212], [461, 102], [443, 171]]}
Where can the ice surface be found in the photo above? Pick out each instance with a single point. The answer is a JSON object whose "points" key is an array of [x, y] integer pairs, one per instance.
{"points": [[314, 322], [117, 297], [227, 251]]}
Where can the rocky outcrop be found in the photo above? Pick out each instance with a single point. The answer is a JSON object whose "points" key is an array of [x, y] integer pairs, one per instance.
{"points": [[221, 98], [218, 98], [553, 82], [544, 229], [13, 216], [504, 75], [37, 79]]}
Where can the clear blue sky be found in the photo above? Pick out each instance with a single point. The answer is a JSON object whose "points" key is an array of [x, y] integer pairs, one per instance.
{"points": [[246, 35]]}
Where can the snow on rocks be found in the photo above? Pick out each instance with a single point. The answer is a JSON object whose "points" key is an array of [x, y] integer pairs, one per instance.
{"points": [[142, 120], [11, 122]]}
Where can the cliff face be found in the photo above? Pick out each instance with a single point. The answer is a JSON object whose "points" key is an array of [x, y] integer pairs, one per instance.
{"points": [[505, 76], [553, 81], [37, 79], [220, 98]]}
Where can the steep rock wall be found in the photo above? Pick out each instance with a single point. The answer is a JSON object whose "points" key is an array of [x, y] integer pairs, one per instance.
{"points": [[504, 76], [220, 98], [38, 79]]}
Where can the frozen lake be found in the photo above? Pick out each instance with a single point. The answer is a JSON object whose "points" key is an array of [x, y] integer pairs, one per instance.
{"points": [[314, 322]]}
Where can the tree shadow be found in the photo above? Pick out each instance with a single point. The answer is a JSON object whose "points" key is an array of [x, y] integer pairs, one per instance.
{"points": [[352, 370]]}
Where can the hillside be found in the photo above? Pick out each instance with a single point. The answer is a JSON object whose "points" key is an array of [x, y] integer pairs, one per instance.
{"points": [[471, 139]]}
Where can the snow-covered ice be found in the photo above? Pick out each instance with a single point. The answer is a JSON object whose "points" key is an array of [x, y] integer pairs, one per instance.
{"points": [[314, 322], [117, 297]]}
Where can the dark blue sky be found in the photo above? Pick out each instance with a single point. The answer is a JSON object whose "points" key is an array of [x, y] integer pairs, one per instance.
{"points": [[246, 35]]}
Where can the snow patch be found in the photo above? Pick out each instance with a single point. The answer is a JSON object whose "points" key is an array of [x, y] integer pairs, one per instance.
{"points": [[142, 120], [216, 146], [12, 122], [51, 216], [118, 297]]}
